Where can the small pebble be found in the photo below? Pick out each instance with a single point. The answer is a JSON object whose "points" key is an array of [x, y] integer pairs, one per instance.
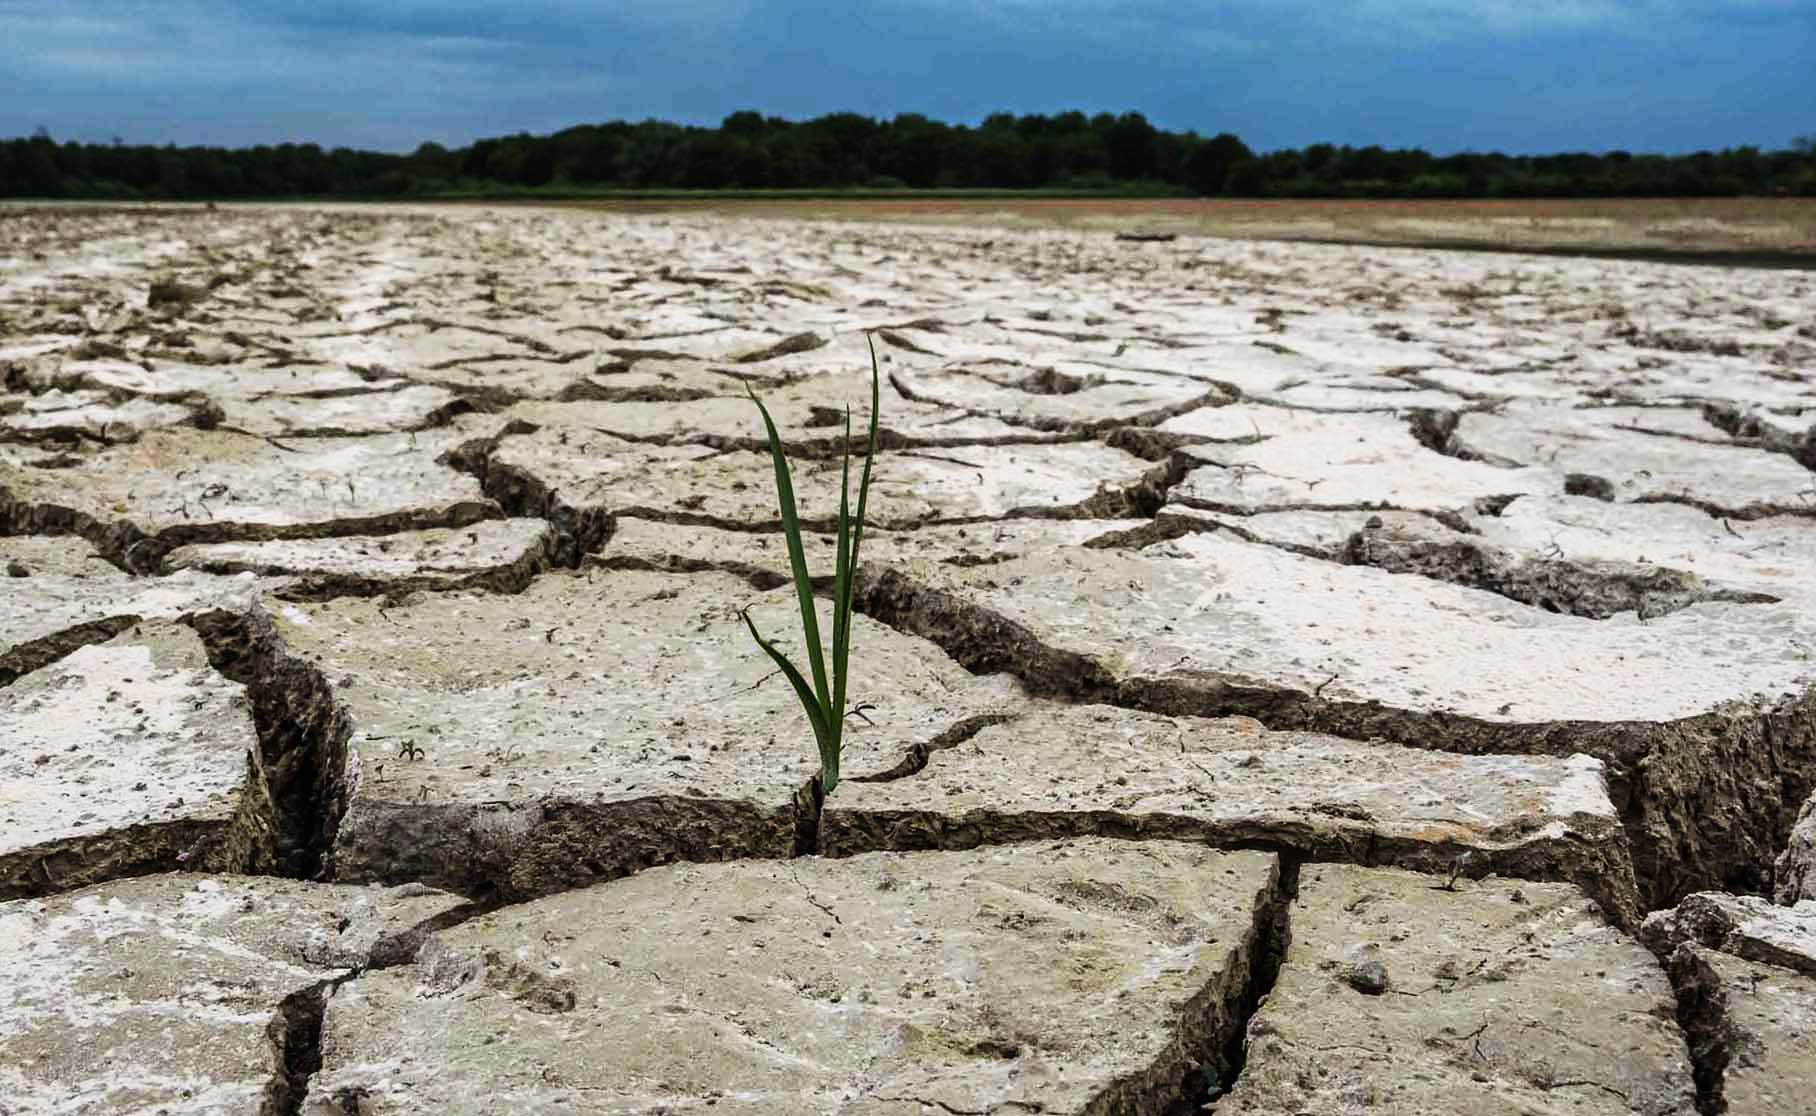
{"points": [[1369, 978]]}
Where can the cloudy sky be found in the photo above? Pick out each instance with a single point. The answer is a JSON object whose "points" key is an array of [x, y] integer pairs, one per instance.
{"points": [[1517, 75]]}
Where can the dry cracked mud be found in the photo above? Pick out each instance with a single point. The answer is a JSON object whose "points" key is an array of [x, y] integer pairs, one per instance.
{"points": [[1288, 677]]}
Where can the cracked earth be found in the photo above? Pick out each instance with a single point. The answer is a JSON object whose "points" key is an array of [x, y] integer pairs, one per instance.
{"points": [[1296, 678]]}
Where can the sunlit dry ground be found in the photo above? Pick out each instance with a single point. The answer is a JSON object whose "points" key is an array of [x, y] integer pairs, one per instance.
{"points": [[1374, 652], [1760, 231]]}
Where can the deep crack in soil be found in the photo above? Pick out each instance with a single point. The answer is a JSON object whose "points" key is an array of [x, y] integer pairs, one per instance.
{"points": [[303, 733], [1596, 590], [1274, 927]]}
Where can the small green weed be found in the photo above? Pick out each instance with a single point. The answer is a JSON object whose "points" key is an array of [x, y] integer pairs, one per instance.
{"points": [[824, 702]]}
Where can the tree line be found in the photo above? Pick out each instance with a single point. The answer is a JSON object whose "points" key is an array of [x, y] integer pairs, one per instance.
{"points": [[1069, 151]]}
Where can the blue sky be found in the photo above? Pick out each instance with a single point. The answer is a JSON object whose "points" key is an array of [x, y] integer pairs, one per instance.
{"points": [[1447, 75]]}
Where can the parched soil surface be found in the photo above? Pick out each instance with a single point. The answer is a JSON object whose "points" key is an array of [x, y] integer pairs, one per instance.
{"points": [[1289, 677], [1750, 232]]}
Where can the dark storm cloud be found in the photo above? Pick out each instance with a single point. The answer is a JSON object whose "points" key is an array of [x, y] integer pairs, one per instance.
{"points": [[1445, 74]]}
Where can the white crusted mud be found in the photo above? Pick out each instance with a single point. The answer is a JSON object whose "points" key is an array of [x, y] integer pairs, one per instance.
{"points": [[503, 554], [1726, 479], [1343, 462], [1060, 770], [127, 757], [183, 994], [1400, 994], [592, 477], [1069, 977], [59, 594], [595, 725], [1215, 607], [638, 543], [139, 501], [1499, 569], [1698, 713]]}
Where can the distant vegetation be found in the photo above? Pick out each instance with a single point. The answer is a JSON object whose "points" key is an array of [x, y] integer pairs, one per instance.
{"points": [[844, 151]]}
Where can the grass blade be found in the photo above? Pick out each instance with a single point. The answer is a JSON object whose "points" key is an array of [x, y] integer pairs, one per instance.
{"points": [[841, 582], [843, 603], [797, 560], [841, 616], [788, 669]]}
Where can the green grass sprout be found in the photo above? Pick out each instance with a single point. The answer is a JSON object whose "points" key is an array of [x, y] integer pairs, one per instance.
{"points": [[824, 702]]}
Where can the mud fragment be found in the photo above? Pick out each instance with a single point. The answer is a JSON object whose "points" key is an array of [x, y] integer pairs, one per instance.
{"points": [[71, 418], [136, 503], [1500, 996], [169, 293], [71, 597], [502, 555], [1051, 400], [1078, 976], [638, 543], [129, 757], [585, 481], [1771, 556], [183, 993], [1698, 767], [805, 342], [1590, 485], [1796, 438], [1053, 771], [809, 415], [592, 726], [1342, 463], [1745, 926], [1567, 440], [1745, 973]]}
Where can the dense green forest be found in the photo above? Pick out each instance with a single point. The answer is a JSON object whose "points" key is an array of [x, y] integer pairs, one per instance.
{"points": [[748, 151]]}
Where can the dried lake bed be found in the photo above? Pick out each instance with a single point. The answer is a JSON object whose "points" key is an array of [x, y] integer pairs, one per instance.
{"points": [[1296, 677]]}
